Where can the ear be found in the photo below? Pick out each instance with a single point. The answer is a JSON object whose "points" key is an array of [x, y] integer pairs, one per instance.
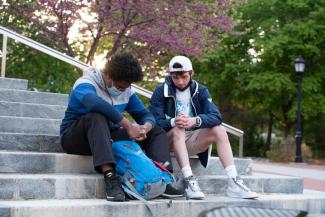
{"points": [[192, 73]]}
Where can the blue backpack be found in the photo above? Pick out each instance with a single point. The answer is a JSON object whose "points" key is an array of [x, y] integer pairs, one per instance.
{"points": [[139, 174]]}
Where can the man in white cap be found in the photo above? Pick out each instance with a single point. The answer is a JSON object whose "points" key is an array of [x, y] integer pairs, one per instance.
{"points": [[184, 108]]}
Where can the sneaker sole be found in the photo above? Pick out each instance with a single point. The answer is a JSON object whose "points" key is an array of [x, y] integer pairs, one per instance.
{"points": [[233, 195], [171, 196], [195, 198], [117, 198]]}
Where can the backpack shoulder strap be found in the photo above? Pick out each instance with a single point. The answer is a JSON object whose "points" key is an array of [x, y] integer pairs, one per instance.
{"points": [[131, 191]]}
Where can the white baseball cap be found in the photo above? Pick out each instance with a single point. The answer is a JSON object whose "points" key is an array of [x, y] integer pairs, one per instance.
{"points": [[184, 64]]}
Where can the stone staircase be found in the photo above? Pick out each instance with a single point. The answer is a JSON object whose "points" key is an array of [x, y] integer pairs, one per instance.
{"points": [[37, 179]]}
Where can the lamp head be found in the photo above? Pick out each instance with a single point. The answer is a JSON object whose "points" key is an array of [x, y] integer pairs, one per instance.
{"points": [[300, 65]]}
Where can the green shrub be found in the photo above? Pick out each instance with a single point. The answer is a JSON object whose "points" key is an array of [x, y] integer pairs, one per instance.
{"points": [[285, 151]]}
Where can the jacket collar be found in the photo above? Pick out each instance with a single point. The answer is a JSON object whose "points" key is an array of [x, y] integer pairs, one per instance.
{"points": [[170, 89]]}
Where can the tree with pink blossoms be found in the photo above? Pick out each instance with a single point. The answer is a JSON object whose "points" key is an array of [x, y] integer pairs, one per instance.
{"points": [[151, 29]]}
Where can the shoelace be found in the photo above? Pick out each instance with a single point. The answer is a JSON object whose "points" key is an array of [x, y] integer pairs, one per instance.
{"points": [[114, 181], [240, 183], [193, 184]]}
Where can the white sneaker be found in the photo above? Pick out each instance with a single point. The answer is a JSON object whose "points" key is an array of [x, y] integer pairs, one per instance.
{"points": [[236, 188], [192, 189]]}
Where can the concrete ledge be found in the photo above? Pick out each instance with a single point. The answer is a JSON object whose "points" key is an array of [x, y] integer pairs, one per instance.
{"points": [[69, 186], [4, 211], [25, 96], [56, 186], [13, 83], [51, 143], [180, 208], [34, 162], [243, 165], [29, 142], [37, 162], [263, 184], [30, 125], [31, 110]]}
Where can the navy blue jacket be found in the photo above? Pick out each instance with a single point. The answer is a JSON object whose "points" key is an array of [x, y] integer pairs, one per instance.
{"points": [[163, 108]]}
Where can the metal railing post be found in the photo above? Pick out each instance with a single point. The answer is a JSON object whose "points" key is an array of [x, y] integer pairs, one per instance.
{"points": [[4, 56], [241, 145]]}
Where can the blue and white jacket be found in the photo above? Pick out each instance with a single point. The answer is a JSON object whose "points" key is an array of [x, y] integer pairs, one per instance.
{"points": [[163, 107], [89, 94]]}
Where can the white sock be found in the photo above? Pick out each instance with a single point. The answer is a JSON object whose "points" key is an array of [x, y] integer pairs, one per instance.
{"points": [[187, 172], [231, 171]]}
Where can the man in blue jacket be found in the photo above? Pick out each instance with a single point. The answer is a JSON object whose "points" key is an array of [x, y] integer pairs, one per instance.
{"points": [[94, 118], [184, 108]]}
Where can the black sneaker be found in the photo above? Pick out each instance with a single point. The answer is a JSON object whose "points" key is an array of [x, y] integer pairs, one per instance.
{"points": [[114, 191], [172, 192]]}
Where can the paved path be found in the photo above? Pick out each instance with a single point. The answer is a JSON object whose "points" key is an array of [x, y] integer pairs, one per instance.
{"points": [[313, 175]]}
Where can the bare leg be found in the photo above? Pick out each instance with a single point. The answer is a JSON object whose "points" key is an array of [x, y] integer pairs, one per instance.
{"points": [[219, 136], [236, 188], [176, 139]]}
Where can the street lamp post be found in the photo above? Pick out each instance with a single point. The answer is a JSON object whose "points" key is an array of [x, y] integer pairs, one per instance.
{"points": [[300, 67]]}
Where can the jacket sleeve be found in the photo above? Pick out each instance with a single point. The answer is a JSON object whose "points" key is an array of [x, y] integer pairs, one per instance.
{"points": [[157, 108], [210, 116], [138, 111], [86, 94]]}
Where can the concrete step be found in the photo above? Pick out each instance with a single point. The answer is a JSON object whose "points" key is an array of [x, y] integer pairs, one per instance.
{"points": [[78, 186], [25, 96], [36, 162], [310, 202], [259, 183], [38, 126], [51, 143], [243, 165], [29, 142], [50, 186], [32, 110], [217, 184], [13, 83]]}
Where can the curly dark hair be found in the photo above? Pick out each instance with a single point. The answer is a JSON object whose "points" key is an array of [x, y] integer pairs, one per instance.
{"points": [[124, 67]]}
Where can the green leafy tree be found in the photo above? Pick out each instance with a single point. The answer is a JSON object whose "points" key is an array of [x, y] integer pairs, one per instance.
{"points": [[43, 72], [253, 71]]}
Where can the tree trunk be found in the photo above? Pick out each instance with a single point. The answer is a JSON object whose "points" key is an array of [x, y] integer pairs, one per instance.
{"points": [[94, 46], [116, 44]]}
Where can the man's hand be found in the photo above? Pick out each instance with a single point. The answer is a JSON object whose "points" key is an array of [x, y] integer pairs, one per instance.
{"points": [[144, 129], [132, 130], [190, 122], [183, 121], [179, 120]]}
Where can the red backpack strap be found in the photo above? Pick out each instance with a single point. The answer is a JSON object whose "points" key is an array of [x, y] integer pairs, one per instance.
{"points": [[160, 166]]}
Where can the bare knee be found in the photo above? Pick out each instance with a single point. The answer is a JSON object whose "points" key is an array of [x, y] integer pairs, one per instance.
{"points": [[176, 133], [219, 133]]}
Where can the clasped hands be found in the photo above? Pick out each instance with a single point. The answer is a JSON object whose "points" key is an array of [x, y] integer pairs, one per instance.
{"points": [[183, 121], [139, 132]]}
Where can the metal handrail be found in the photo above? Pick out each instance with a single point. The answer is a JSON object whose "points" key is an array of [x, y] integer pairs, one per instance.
{"points": [[72, 61]]}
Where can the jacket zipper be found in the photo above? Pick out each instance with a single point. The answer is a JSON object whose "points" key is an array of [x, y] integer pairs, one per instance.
{"points": [[174, 105], [193, 102]]}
